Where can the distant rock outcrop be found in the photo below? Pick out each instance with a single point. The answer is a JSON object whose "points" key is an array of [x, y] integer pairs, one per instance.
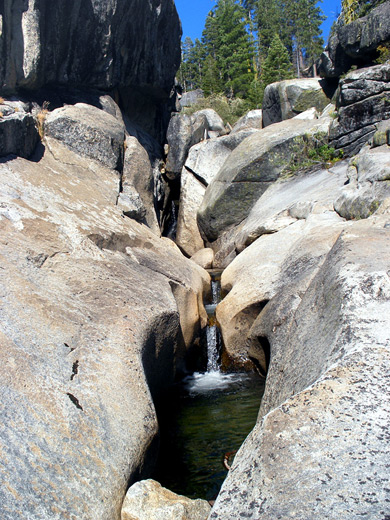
{"points": [[363, 101], [356, 43], [286, 99]]}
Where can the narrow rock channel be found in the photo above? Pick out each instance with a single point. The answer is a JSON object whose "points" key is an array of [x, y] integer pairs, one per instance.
{"points": [[205, 418]]}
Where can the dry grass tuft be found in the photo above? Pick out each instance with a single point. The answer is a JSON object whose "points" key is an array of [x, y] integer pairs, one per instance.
{"points": [[41, 116]]}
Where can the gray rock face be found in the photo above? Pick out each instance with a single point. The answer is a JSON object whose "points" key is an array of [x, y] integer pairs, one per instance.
{"points": [[202, 165], [90, 132], [286, 99], [248, 172], [148, 500], [319, 449], [134, 43], [362, 102], [253, 119], [137, 198], [18, 134], [95, 315], [356, 42], [135, 47], [183, 132], [191, 98], [369, 184], [289, 256]]}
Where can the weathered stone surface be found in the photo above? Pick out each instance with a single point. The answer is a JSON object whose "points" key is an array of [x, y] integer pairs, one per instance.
{"points": [[137, 198], [214, 120], [323, 420], [183, 132], [135, 47], [266, 267], [188, 237], [205, 159], [362, 101], [288, 98], [191, 98], [18, 133], [369, 184], [253, 119], [356, 43], [203, 163], [148, 500], [134, 43], [95, 314], [382, 134], [204, 258], [88, 131], [292, 199], [249, 171]]}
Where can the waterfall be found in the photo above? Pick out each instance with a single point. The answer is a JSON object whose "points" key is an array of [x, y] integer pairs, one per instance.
{"points": [[213, 334]]}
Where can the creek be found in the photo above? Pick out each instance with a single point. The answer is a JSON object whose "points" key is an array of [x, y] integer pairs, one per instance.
{"points": [[203, 418]]}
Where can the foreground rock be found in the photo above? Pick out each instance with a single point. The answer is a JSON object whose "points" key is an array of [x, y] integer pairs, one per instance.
{"points": [[286, 99], [148, 500], [362, 103], [323, 420], [269, 265], [249, 171], [96, 315]]}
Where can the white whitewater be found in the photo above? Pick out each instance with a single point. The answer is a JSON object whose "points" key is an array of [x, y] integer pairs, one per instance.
{"points": [[213, 379]]}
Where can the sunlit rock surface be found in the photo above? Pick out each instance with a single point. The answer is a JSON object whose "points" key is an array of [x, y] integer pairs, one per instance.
{"points": [[89, 329]]}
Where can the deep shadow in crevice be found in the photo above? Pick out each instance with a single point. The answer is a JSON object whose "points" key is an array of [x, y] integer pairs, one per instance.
{"points": [[263, 355]]}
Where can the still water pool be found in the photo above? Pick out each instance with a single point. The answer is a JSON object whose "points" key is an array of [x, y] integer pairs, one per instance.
{"points": [[202, 419]]}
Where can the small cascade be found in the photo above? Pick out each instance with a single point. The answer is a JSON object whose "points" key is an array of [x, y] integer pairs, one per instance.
{"points": [[172, 223], [213, 342], [206, 417], [213, 334]]}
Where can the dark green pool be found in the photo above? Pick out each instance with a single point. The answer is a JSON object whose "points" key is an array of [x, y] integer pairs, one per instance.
{"points": [[202, 419]]}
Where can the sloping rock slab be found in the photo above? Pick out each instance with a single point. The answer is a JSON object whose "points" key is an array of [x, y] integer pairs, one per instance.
{"points": [[148, 500], [95, 313], [292, 199], [248, 172], [319, 449]]}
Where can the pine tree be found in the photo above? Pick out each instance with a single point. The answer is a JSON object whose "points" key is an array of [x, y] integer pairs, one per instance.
{"points": [[226, 39], [277, 65]]}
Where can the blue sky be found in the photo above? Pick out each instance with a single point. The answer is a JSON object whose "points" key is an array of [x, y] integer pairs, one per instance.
{"points": [[193, 14]]}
